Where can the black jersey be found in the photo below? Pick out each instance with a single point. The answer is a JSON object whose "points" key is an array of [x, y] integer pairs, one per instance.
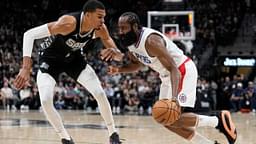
{"points": [[61, 47], [60, 53]]}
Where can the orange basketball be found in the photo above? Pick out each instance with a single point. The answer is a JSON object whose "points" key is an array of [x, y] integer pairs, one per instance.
{"points": [[166, 111]]}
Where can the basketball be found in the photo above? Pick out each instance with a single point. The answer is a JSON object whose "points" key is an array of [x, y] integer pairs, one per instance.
{"points": [[166, 111]]}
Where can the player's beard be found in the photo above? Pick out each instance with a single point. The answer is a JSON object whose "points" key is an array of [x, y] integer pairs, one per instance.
{"points": [[128, 39]]}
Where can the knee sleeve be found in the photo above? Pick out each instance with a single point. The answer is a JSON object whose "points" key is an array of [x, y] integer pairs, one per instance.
{"points": [[91, 82]]}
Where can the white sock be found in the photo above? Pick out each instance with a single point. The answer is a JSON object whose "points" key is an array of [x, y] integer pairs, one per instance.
{"points": [[199, 139], [211, 121]]}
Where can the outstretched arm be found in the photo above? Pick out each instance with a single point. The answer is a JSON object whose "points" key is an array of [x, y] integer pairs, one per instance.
{"points": [[63, 26], [111, 52], [133, 66]]}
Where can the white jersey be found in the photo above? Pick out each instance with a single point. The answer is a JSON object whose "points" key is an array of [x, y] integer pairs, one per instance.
{"points": [[187, 84], [140, 52]]}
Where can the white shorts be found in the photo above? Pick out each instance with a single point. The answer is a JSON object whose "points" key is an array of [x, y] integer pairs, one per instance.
{"points": [[187, 85]]}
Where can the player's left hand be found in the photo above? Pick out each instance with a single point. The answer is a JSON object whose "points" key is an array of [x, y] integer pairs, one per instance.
{"points": [[109, 54]]}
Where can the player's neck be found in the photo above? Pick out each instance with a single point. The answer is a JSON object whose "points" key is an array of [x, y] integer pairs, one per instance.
{"points": [[85, 27]]}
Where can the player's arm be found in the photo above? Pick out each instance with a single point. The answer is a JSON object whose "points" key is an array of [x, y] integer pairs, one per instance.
{"points": [[111, 51], [133, 66], [64, 25], [156, 47]]}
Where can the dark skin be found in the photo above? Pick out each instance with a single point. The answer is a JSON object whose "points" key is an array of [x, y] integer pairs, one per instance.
{"points": [[156, 47], [64, 26]]}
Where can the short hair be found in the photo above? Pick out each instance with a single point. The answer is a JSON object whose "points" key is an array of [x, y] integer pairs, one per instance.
{"points": [[132, 18], [92, 5]]}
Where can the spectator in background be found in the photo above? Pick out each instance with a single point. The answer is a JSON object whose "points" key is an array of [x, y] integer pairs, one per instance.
{"points": [[59, 103], [35, 99], [108, 88], [250, 99], [91, 103], [225, 92], [7, 94], [69, 98], [236, 97], [131, 102], [60, 89], [118, 99], [2, 100], [25, 98]]}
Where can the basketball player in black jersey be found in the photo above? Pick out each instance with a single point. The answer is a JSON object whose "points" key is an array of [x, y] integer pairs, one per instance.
{"points": [[62, 50]]}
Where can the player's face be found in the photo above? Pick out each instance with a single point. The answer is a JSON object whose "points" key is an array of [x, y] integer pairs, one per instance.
{"points": [[126, 32], [123, 26], [97, 18]]}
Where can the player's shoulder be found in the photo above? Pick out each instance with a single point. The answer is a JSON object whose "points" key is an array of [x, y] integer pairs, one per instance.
{"points": [[70, 17], [153, 38], [67, 19]]}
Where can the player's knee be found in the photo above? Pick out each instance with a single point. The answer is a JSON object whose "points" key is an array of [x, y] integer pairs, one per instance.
{"points": [[100, 97], [98, 94], [46, 104]]}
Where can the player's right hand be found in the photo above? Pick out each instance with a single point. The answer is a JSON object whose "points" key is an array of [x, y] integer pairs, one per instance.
{"points": [[22, 78], [112, 70], [176, 101]]}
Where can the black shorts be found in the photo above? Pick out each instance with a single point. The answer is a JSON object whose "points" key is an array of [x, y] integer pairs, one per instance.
{"points": [[72, 65]]}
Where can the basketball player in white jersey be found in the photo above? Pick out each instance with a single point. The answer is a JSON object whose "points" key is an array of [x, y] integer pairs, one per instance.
{"points": [[64, 42], [177, 72]]}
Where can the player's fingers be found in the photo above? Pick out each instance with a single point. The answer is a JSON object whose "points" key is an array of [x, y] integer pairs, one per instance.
{"points": [[17, 81], [109, 56], [27, 83], [104, 53], [20, 83], [104, 56]]}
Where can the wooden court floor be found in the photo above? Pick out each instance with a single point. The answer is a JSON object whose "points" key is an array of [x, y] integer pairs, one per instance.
{"points": [[32, 128]]}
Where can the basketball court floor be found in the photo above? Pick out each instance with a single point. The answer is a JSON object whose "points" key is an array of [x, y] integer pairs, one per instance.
{"points": [[31, 127]]}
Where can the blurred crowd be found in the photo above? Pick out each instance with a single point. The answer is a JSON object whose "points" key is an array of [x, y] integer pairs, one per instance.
{"points": [[217, 22]]}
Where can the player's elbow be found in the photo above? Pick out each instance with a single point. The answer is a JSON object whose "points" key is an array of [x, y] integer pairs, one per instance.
{"points": [[29, 34], [174, 70]]}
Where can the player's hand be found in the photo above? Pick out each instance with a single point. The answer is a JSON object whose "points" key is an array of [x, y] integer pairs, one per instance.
{"points": [[110, 54], [22, 78], [112, 70], [176, 101]]}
